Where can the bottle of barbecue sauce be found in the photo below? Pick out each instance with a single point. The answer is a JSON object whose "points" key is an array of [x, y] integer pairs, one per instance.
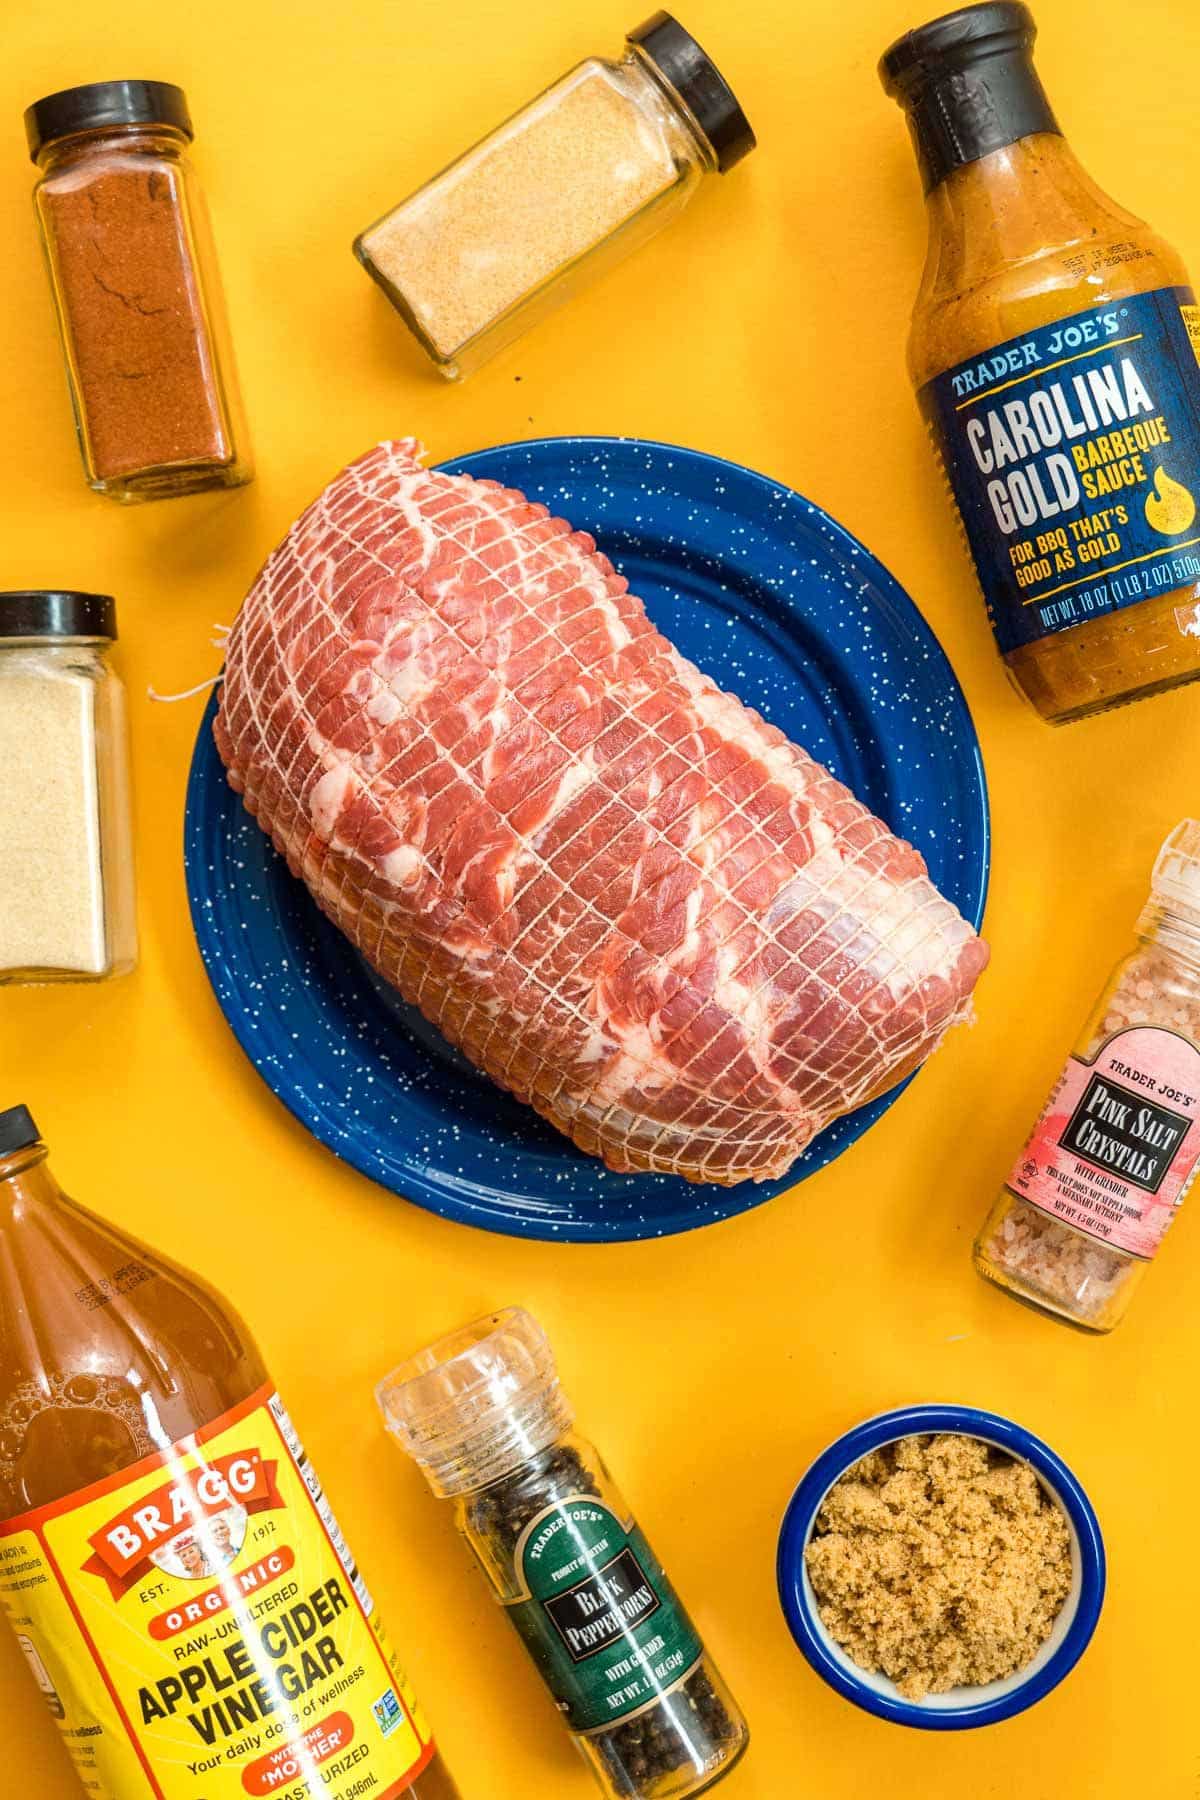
{"points": [[1054, 348], [168, 1560]]}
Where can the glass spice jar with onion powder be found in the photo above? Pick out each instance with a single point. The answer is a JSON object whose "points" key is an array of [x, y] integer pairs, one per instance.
{"points": [[1117, 1146], [481, 1411], [580, 176], [66, 863]]}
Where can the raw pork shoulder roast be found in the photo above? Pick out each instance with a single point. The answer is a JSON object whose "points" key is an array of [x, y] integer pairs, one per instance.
{"points": [[619, 891]]}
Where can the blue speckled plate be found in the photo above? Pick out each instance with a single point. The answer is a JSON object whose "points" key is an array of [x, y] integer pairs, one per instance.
{"points": [[775, 600]]}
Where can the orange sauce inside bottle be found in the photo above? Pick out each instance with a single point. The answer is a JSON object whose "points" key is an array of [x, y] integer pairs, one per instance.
{"points": [[1019, 239], [109, 1354], [1055, 346]]}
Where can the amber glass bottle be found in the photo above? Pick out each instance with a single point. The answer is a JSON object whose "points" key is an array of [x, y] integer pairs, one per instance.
{"points": [[1054, 350], [178, 1583]]}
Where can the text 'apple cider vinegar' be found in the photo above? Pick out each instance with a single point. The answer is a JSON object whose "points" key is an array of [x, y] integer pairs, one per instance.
{"points": [[178, 1584]]}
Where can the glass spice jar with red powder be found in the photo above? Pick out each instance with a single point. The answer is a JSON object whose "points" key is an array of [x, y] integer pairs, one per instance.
{"points": [[1117, 1146], [139, 308]]}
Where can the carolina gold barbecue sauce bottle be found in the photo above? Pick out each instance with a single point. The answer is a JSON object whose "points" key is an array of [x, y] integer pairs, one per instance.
{"points": [[1054, 348], [178, 1584]]}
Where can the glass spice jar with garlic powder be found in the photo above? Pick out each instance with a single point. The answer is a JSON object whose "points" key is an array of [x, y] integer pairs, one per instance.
{"points": [[66, 868], [585, 173], [1117, 1147]]}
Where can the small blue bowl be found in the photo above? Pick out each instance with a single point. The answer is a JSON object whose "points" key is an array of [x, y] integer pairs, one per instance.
{"points": [[961, 1707]]}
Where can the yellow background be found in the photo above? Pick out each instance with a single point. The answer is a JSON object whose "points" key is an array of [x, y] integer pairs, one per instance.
{"points": [[767, 325]]}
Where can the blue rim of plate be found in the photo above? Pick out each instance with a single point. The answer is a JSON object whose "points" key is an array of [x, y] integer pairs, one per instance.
{"points": [[376, 1085], [798, 1602]]}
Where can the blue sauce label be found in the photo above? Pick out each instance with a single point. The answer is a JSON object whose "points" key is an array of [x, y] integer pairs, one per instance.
{"points": [[1074, 456]]}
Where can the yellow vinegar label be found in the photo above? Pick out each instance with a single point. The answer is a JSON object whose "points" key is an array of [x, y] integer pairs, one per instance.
{"points": [[199, 1629]]}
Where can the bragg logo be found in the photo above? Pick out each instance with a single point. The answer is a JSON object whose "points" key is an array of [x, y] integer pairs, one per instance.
{"points": [[162, 1527]]}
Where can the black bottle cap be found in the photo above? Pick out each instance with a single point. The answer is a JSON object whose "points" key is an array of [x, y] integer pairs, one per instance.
{"points": [[17, 1130], [705, 92], [968, 85], [54, 613], [102, 104]]}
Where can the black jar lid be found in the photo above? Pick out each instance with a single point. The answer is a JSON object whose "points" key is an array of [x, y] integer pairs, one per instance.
{"points": [[705, 92], [57, 613], [102, 104], [17, 1130]]}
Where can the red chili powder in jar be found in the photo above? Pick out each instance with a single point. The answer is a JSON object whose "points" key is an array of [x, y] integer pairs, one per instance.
{"points": [[137, 330]]}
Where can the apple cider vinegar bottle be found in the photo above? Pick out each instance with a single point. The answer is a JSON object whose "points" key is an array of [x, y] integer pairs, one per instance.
{"points": [[178, 1584]]}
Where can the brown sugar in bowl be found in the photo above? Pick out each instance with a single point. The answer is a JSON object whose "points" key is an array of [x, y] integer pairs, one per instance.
{"points": [[961, 1707]]}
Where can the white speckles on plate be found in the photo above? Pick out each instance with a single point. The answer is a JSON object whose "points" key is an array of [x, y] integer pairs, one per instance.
{"points": [[776, 601]]}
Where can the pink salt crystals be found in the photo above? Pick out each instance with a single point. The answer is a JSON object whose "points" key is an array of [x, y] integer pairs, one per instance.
{"points": [[1107, 1165]]}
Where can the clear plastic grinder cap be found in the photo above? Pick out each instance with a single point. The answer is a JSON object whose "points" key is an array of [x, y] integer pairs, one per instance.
{"points": [[478, 1403], [1176, 877]]}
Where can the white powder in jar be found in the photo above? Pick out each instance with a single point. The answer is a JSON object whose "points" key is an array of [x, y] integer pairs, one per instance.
{"points": [[561, 176], [51, 876]]}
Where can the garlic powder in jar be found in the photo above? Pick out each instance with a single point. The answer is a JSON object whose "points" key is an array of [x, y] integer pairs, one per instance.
{"points": [[581, 175], [1109, 1162], [66, 879]]}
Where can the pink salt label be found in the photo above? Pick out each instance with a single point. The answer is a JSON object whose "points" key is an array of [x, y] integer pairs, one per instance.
{"points": [[1118, 1142]]}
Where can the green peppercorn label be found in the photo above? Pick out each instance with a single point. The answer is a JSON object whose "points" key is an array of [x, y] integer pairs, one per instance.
{"points": [[597, 1614]]}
